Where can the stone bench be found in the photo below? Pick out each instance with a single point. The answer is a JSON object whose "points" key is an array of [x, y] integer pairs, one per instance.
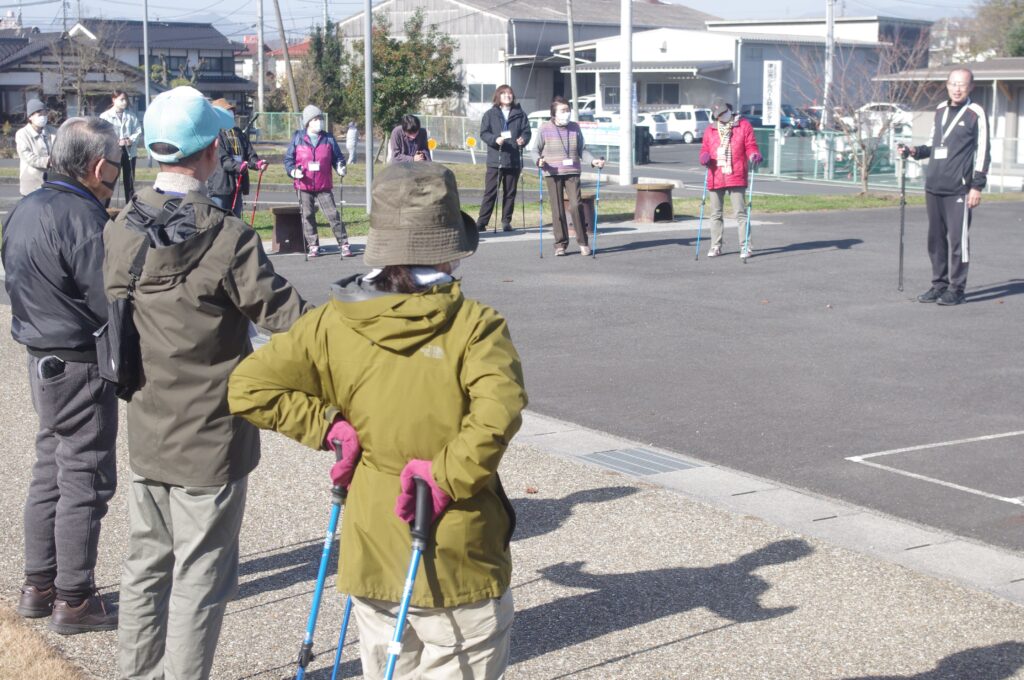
{"points": [[287, 230], [653, 203]]}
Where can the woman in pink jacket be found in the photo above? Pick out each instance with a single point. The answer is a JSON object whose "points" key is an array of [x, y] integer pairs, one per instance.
{"points": [[728, 151]]}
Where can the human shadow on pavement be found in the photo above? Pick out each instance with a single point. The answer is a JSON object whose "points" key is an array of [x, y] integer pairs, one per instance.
{"points": [[538, 516], [284, 569], [995, 662], [622, 601], [641, 245], [996, 291], [837, 244]]}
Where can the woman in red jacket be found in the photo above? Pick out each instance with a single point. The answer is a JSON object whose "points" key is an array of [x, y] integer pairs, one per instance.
{"points": [[728, 151]]}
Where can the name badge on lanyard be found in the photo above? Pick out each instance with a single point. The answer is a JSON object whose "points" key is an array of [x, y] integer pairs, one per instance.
{"points": [[940, 153], [314, 166], [568, 162]]}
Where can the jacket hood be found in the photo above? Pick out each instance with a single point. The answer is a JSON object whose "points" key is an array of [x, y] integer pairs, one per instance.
{"points": [[180, 227], [398, 322]]}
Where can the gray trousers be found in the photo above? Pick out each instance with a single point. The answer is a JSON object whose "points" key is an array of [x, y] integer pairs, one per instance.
{"points": [[948, 226], [180, 572], [73, 478], [717, 197], [308, 203]]}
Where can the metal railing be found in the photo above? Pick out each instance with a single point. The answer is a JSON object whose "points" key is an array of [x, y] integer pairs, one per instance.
{"points": [[276, 126]]}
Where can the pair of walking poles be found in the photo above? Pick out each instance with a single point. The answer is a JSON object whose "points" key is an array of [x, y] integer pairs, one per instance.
{"points": [[540, 212], [238, 187], [420, 531], [750, 206]]}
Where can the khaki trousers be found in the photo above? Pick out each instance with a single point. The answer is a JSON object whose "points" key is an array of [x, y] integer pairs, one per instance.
{"points": [[180, 572], [736, 198], [470, 642]]}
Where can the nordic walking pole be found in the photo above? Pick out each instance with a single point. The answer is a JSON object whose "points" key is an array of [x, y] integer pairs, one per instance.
{"points": [[700, 221], [597, 209], [341, 637], [420, 531], [540, 209], [255, 202], [903, 212], [238, 185], [338, 494], [750, 205]]}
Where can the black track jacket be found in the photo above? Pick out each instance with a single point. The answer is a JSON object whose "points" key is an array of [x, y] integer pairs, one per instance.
{"points": [[968, 155]]}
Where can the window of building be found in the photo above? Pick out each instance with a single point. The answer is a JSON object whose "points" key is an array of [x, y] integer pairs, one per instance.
{"points": [[662, 93], [611, 97], [481, 93]]}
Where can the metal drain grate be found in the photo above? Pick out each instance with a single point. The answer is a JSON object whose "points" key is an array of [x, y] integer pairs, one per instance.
{"points": [[637, 462]]}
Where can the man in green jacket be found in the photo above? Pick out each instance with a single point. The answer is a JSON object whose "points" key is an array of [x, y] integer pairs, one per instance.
{"points": [[434, 387], [205, 277]]}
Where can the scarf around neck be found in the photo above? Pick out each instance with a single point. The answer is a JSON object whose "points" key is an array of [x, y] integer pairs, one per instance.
{"points": [[725, 145]]}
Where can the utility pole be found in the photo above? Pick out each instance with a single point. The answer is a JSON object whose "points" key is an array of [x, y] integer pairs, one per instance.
{"points": [[626, 95], [830, 46], [368, 97], [145, 50], [287, 59], [260, 91], [325, 18], [572, 61]]}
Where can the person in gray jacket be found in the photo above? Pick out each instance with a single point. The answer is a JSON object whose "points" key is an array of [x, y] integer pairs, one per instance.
{"points": [[34, 142], [128, 131], [53, 256], [204, 278]]}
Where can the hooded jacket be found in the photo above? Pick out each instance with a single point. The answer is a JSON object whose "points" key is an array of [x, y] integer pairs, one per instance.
{"points": [[744, 145], [506, 154], [430, 375], [204, 279]]}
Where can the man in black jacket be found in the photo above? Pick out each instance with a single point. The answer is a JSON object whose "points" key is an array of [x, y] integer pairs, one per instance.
{"points": [[53, 256], [505, 130], [955, 176], [235, 156]]}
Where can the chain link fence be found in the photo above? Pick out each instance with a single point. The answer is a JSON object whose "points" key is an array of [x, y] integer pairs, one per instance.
{"points": [[275, 126]]}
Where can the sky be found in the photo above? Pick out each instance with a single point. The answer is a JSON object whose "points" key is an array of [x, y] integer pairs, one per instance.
{"points": [[238, 17]]}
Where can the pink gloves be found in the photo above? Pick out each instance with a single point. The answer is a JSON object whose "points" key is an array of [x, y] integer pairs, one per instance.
{"points": [[261, 165], [756, 158], [405, 506], [705, 158], [342, 471]]}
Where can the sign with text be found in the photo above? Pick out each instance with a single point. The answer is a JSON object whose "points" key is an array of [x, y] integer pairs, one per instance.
{"points": [[772, 95]]}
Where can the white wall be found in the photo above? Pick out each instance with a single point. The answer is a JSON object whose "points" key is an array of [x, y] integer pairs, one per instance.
{"points": [[844, 30], [680, 45]]}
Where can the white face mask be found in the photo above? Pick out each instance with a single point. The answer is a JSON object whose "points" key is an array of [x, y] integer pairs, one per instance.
{"points": [[562, 118], [315, 126], [38, 120], [120, 104]]}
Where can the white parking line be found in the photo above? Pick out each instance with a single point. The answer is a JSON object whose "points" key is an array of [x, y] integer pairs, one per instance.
{"points": [[863, 460]]}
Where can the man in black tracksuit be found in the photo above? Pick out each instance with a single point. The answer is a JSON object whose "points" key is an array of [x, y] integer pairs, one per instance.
{"points": [[53, 254], [955, 176]]}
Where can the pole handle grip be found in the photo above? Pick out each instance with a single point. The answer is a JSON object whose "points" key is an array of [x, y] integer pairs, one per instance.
{"points": [[339, 491], [424, 510]]}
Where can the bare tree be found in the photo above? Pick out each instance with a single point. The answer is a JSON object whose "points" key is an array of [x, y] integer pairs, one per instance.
{"points": [[862, 136], [81, 59]]}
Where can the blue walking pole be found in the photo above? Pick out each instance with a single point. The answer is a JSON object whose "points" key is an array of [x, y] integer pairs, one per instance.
{"points": [[420, 531], [306, 650], [540, 210], [341, 637], [700, 222], [745, 254], [597, 209]]}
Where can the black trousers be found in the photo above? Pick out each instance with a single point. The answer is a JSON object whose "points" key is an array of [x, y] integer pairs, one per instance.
{"points": [[127, 175], [949, 220], [509, 178]]}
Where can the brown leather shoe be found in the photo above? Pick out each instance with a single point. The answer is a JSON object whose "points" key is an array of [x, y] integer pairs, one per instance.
{"points": [[90, 616], [35, 603]]}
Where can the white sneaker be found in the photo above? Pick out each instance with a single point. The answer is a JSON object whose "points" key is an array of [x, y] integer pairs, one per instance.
{"points": [[585, 251], [714, 251], [346, 250], [746, 252], [313, 251]]}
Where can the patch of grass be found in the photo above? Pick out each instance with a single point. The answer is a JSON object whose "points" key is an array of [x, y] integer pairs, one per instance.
{"points": [[24, 653]]}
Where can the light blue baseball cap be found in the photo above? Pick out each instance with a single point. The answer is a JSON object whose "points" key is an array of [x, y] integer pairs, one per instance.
{"points": [[184, 118]]}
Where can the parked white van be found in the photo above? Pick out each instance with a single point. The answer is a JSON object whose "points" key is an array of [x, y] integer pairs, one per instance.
{"points": [[686, 123], [657, 126]]}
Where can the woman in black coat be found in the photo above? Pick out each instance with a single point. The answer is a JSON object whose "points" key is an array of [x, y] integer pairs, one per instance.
{"points": [[505, 131]]}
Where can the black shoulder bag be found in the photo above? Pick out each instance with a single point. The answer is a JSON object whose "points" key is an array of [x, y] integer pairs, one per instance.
{"points": [[118, 351]]}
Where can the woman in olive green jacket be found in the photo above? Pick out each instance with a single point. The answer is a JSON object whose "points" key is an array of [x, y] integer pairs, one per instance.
{"points": [[433, 386]]}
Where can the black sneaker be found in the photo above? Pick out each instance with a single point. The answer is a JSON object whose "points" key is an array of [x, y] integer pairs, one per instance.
{"points": [[506, 227], [481, 227], [932, 295], [951, 297]]}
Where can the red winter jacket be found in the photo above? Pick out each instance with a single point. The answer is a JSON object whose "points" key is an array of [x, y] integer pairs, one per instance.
{"points": [[743, 147]]}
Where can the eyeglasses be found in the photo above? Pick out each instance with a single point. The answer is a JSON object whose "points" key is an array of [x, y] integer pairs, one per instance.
{"points": [[957, 84]]}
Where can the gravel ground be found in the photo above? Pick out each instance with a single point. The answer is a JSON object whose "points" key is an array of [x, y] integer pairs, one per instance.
{"points": [[613, 579]]}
